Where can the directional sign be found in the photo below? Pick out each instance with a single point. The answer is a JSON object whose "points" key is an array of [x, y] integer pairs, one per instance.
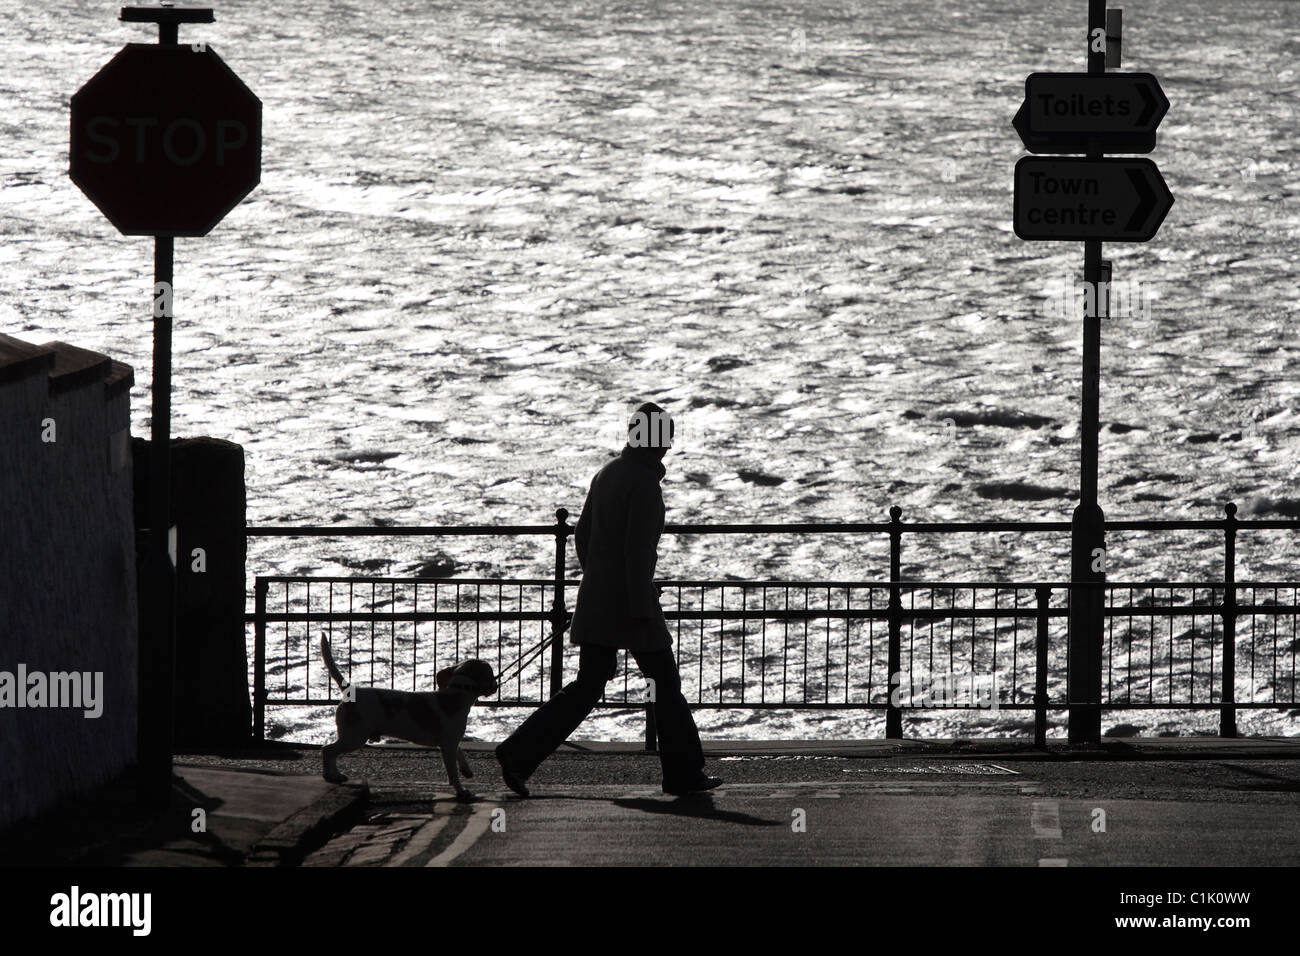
{"points": [[1094, 103], [1076, 112], [165, 140], [1079, 142], [1122, 200]]}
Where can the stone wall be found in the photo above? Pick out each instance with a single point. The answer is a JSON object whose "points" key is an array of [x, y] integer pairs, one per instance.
{"points": [[67, 572]]}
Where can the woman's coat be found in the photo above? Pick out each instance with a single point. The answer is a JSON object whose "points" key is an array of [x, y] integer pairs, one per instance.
{"points": [[617, 540]]}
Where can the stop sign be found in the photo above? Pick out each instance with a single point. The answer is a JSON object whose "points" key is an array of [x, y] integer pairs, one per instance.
{"points": [[165, 140]]}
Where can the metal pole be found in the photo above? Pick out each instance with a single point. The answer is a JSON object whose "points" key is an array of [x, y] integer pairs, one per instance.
{"points": [[259, 661], [1044, 595], [158, 644], [557, 605], [1088, 535], [651, 728], [894, 715], [1228, 698], [157, 649]]}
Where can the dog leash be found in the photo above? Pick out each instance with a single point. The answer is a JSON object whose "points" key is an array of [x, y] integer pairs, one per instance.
{"points": [[516, 667], [509, 672]]}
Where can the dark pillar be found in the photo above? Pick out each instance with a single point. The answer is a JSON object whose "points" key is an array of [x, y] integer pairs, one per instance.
{"points": [[212, 705]]}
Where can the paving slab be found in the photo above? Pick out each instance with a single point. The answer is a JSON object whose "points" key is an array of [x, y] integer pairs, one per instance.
{"points": [[218, 816]]}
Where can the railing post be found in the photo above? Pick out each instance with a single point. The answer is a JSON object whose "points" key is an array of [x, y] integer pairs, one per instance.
{"points": [[651, 727], [259, 660], [1228, 698], [557, 605], [1044, 595], [894, 715]]}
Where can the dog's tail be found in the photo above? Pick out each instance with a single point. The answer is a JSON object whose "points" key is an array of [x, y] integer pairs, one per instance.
{"points": [[329, 662]]}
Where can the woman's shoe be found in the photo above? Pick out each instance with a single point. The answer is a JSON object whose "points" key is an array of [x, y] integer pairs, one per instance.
{"points": [[509, 775], [698, 785]]}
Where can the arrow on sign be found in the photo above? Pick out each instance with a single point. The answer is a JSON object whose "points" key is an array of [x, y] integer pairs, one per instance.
{"points": [[1121, 200]]}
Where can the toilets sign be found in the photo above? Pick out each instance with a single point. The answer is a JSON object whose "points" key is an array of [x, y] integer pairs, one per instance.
{"points": [[1076, 112], [165, 140]]}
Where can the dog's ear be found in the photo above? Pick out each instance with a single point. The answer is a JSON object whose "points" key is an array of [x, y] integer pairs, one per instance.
{"points": [[443, 677]]}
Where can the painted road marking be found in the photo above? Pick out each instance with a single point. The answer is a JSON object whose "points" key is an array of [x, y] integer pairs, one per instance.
{"points": [[973, 769], [1046, 819], [423, 838], [480, 818]]}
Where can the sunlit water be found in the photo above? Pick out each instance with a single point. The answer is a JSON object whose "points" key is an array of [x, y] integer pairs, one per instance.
{"points": [[485, 229]]}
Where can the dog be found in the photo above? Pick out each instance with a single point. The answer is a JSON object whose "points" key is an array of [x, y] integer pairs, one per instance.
{"points": [[436, 718]]}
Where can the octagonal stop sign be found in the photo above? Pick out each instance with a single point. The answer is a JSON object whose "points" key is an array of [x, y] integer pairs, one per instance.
{"points": [[165, 140]]}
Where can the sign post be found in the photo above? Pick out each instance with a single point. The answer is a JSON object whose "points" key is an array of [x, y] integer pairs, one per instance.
{"points": [[165, 140], [1088, 524], [1092, 200]]}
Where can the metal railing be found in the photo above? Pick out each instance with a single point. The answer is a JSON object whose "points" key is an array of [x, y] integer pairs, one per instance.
{"points": [[801, 645]]}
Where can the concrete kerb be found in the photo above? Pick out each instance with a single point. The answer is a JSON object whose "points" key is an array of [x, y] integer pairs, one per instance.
{"points": [[311, 827]]}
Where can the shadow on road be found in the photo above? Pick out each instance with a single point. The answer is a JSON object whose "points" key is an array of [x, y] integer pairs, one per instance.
{"points": [[694, 806]]}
